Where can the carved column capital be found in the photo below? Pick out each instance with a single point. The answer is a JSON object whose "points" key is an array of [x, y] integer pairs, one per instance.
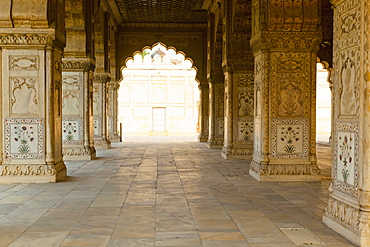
{"points": [[268, 40], [44, 37]]}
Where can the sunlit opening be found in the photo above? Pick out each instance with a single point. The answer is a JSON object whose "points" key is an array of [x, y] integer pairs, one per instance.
{"points": [[158, 92], [323, 105]]}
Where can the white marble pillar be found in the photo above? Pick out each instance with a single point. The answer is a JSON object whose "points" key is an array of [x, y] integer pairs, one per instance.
{"points": [[203, 113], [77, 131], [348, 208], [31, 48], [285, 69], [113, 87], [100, 96]]}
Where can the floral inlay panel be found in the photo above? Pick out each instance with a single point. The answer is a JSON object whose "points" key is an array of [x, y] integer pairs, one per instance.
{"points": [[72, 130], [245, 130], [220, 127], [97, 126], [24, 138], [346, 157], [290, 138]]}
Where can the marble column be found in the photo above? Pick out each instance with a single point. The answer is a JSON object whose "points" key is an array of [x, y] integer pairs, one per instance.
{"points": [[348, 208], [113, 87], [31, 48], [203, 113], [237, 64], [216, 115], [100, 100], [215, 79], [285, 43], [78, 67], [77, 127]]}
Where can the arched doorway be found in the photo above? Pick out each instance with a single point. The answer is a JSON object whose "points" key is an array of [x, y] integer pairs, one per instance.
{"points": [[158, 92]]}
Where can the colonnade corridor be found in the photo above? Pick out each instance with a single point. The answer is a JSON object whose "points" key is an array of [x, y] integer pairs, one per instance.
{"points": [[166, 191]]}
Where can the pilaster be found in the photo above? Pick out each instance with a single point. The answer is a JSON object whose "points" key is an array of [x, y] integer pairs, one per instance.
{"points": [[31, 51], [348, 208], [237, 64], [78, 69], [203, 113], [100, 96], [77, 131], [215, 79], [112, 101], [285, 42]]}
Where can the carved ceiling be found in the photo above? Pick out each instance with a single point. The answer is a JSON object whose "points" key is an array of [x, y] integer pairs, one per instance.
{"points": [[161, 11]]}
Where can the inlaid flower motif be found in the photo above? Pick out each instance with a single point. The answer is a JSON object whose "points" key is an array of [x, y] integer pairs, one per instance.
{"points": [[290, 135], [23, 136], [345, 156], [69, 129]]}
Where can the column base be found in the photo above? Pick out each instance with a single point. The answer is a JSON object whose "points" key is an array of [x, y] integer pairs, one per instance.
{"points": [[100, 143], [284, 172], [115, 138], [203, 138], [216, 143], [237, 152], [32, 173], [78, 153], [343, 216]]}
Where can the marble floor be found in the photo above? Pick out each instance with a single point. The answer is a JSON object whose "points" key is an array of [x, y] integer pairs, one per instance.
{"points": [[166, 191]]}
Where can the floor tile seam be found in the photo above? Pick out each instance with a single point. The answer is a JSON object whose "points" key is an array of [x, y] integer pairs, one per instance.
{"points": [[187, 199], [123, 203], [231, 218], [107, 182], [21, 204]]}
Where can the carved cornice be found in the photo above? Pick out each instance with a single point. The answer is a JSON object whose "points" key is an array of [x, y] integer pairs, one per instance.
{"points": [[113, 85], [286, 40], [103, 77], [73, 65], [47, 37]]}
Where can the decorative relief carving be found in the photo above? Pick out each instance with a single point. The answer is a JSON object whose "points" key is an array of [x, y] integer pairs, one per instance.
{"points": [[284, 169], [77, 151], [220, 127], [348, 85], [24, 138], [346, 157], [219, 99], [245, 131], [72, 130], [26, 39], [33, 170], [24, 95], [97, 126], [289, 138], [246, 103], [290, 102], [291, 90], [23, 62], [343, 213]]}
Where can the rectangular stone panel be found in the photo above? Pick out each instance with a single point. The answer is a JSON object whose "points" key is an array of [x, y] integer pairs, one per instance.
{"points": [[24, 138], [289, 138], [72, 130], [346, 157]]}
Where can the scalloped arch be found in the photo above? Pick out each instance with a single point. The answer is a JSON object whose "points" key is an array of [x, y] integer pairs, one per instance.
{"points": [[167, 48]]}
